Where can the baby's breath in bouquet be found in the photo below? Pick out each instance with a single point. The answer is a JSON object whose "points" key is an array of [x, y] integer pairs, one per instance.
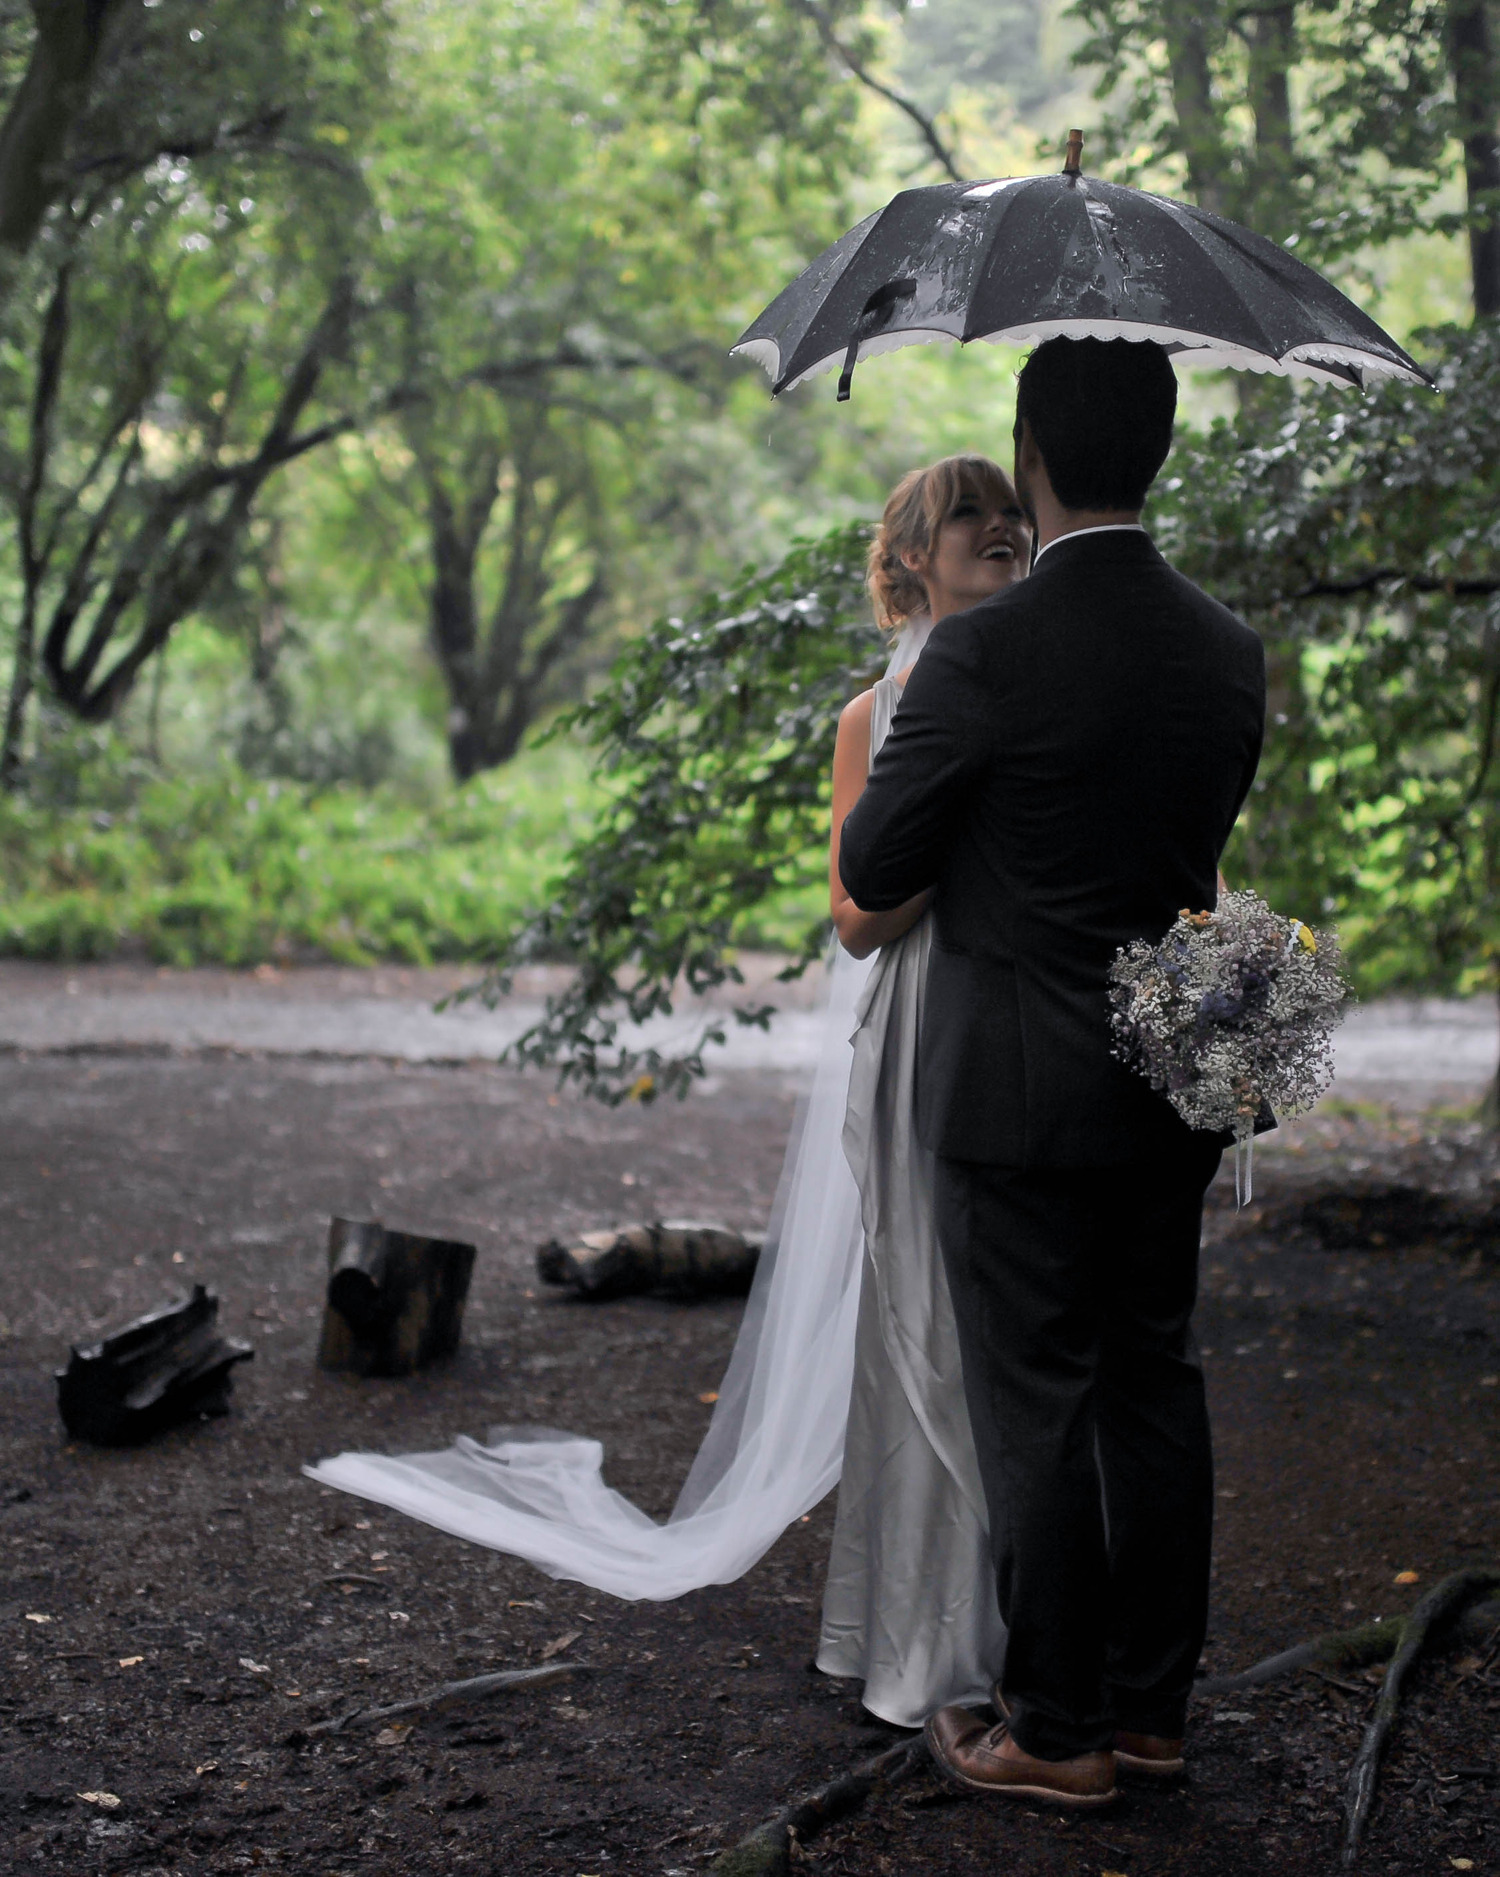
{"points": [[1232, 1012]]}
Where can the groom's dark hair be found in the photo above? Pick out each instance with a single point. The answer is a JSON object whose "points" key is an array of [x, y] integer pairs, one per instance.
{"points": [[1101, 413]]}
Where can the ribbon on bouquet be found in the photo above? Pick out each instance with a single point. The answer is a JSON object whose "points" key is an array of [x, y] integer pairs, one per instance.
{"points": [[1244, 1169]]}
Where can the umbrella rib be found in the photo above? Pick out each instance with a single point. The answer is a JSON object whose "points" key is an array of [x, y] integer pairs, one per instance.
{"points": [[1376, 345], [1196, 232], [981, 271]]}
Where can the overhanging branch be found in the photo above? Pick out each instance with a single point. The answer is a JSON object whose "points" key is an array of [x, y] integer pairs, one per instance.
{"points": [[858, 69], [1479, 587]]}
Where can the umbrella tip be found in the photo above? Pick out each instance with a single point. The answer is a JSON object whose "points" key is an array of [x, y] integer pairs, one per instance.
{"points": [[1075, 152]]}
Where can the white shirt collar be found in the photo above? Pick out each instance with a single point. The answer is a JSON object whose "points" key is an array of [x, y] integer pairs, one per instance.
{"points": [[1107, 527]]}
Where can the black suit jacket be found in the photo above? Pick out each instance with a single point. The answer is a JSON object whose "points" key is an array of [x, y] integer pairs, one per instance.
{"points": [[1065, 767]]}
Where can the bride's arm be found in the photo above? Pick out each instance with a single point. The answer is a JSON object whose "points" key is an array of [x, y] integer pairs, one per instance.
{"points": [[859, 932]]}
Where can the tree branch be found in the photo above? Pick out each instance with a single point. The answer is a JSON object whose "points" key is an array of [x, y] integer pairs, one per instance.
{"points": [[867, 78], [50, 352], [502, 372], [1478, 588], [169, 574], [252, 132], [568, 633]]}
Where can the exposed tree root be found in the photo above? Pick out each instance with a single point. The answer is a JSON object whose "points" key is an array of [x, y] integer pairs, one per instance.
{"points": [[1448, 1612], [1444, 1599], [1350, 1649], [451, 1694], [767, 1851]]}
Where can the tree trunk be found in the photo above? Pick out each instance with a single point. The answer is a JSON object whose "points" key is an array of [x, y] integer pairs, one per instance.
{"points": [[1476, 87], [21, 682], [494, 676], [453, 625], [1272, 40], [1193, 101], [69, 38], [1489, 1106], [479, 736]]}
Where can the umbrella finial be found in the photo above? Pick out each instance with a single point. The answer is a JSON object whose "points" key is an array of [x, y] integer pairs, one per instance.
{"points": [[1075, 152]]}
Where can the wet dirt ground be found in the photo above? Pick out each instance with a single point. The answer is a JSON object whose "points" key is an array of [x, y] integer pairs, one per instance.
{"points": [[193, 1621]]}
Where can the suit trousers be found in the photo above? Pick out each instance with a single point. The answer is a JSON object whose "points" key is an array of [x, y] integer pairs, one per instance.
{"points": [[1074, 1291]]}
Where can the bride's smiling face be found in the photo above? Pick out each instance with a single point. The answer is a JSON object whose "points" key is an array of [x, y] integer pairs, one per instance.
{"points": [[982, 545]]}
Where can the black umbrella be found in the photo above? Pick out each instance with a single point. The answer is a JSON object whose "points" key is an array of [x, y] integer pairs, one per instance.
{"points": [[1034, 257]]}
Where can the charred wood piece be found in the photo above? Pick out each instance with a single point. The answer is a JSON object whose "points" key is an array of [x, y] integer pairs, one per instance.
{"points": [[674, 1258], [395, 1300], [166, 1367]]}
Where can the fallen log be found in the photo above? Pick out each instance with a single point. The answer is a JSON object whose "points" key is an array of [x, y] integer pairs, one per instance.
{"points": [[452, 1694], [1346, 1649], [672, 1257], [1443, 1600], [767, 1851]]}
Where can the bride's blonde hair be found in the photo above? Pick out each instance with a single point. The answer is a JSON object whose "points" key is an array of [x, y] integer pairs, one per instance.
{"points": [[917, 507]]}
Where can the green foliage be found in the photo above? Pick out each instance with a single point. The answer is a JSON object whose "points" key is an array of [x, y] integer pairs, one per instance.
{"points": [[239, 870], [716, 732], [1363, 538], [1010, 47], [1324, 125], [176, 326], [504, 240], [572, 198]]}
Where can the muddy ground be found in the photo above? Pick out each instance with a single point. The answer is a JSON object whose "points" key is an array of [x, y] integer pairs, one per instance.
{"points": [[192, 1625]]}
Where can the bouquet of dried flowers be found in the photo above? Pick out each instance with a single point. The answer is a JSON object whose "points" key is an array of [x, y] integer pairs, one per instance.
{"points": [[1232, 1012]]}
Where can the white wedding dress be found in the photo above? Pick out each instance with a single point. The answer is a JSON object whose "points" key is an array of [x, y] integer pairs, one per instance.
{"points": [[910, 1604], [848, 1331]]}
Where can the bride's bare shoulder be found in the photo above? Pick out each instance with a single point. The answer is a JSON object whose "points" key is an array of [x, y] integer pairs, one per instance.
{"points": [[856, 714], [851, 749]]}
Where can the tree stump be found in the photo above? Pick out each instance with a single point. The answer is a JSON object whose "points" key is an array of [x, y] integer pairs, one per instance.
{"points": [[395, 1300], [163, 1368]]}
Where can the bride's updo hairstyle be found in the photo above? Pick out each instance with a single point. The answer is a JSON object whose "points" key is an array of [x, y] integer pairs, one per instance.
{"points": [[918, 506]]}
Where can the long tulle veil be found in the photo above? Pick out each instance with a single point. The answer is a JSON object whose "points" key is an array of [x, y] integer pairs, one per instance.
{"points": [[775, 1445]]}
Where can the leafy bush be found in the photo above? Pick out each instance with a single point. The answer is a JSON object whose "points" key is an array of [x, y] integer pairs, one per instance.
{"points": [[1361, 537], [234, 869], [717, 734]]}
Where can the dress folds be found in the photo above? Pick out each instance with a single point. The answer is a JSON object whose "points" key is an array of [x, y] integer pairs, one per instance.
{"points": [[910, 1604]]}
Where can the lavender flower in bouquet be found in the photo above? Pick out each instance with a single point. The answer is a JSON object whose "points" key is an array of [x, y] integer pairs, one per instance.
{"points": [[1233, 1011]]}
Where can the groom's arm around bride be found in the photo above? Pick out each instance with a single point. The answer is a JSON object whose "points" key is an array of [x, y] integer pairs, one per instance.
{"points": [[1065, 767]]}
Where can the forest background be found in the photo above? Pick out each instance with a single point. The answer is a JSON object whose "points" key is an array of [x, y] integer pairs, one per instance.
{"points": [[394, 564]]}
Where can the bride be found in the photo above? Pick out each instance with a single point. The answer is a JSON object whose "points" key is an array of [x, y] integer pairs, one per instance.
{"points": [[909, 1607], [847, 1358]]}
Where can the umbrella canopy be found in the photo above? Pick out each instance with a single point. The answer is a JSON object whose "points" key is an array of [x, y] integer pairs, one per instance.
{"points": [[1030, 258]]}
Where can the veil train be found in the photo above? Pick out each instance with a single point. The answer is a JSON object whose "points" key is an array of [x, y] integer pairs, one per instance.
{"points": [[775, 1445]]}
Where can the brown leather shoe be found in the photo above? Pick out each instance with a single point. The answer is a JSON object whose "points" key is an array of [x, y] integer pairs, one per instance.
{"points": [[971, 1755], [1149, 1754]]}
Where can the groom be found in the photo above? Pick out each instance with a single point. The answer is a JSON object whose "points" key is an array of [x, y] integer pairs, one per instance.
{"points": [[1066, 765]]}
